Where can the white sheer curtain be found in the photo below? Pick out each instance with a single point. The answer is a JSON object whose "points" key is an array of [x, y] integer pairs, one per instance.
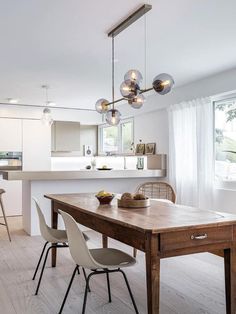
{"points": [[191, 152]]}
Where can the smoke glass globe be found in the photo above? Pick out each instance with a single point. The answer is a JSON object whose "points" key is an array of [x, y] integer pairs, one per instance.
{"points": [[102, 106], [163, 83], [137, 101], [134, 76], [113, 116], [129, 89]]}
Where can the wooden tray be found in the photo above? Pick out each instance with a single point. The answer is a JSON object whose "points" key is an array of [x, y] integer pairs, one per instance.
{"points": [[133, 203]]}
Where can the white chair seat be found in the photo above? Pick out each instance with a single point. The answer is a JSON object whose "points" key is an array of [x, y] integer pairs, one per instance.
{"points": [[60, 236], [112, 258], [57, 236]]}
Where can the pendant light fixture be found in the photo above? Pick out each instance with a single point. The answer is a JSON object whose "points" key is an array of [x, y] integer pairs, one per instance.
{"points": [[130, 88], [46, 116]]}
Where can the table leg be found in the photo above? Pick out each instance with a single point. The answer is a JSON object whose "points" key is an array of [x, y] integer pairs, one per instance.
{"points": [[104, 241], [54, 224], [230, 279], [152, 274]]}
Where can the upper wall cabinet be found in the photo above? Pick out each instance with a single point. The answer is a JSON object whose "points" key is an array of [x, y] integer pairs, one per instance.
{"points": [[65, 136], [36, 146], [10, 135]]}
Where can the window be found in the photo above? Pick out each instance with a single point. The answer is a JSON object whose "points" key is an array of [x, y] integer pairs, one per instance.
{"points": [[110, 139], [225, 139], [116, 139]]}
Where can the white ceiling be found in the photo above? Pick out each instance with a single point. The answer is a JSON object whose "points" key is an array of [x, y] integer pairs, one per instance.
{"points": [[63, 43]]}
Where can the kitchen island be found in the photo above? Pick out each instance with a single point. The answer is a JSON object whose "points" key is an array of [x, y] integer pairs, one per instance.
{"points": [[38, 183]]}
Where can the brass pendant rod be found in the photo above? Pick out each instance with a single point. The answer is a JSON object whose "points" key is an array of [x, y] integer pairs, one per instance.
{"points": [[130, 20]]}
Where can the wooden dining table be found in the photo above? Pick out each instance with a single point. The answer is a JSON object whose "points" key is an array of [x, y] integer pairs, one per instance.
{"points": [[161, 230]]}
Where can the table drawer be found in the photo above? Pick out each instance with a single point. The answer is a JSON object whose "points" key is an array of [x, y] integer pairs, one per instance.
{"points": [[195, 237]]}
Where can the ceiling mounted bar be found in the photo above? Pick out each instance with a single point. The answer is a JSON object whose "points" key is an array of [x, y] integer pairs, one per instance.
{"points": [[130, 20]]}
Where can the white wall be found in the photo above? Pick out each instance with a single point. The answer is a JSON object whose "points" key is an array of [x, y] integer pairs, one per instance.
{"points": [[153, 128]]}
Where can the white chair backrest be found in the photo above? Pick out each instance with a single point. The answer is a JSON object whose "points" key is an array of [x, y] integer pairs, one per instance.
{"points": [[77, 244], [42, 223]]}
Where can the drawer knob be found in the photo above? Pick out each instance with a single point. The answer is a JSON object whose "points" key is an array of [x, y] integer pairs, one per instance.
{"points": [[199, 237]]}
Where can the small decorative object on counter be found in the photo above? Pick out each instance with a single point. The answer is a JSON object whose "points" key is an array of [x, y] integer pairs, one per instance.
{"points": [[132, 148], [93, 163], [88, 150], [88, 167], [104, 197], [150, 148], [104, 167], [140, 148], [140, 163]]}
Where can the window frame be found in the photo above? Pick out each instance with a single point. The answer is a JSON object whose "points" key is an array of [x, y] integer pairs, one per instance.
{"points": [[120, 138], [225, 184]]}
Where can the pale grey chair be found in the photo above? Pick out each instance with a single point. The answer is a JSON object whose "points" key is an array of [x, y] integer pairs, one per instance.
{"points": [[4, 214], [98, 261], [58, 239]]}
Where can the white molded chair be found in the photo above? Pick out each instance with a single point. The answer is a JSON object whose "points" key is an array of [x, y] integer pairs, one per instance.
{"points": [[99, 261], [57, 237]]}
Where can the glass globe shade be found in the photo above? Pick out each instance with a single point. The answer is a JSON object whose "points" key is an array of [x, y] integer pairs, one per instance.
{"points": [[113, 117], [47, 117], [102, 106], [134, 76], [129, 89], [163, 83], [137, 101]]}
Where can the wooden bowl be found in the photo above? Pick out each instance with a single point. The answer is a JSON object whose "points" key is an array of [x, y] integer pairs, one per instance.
{"points": [[131, 203], [105, 200]]}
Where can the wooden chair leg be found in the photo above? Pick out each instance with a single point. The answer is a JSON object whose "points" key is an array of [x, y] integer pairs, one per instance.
{"points": [[5, 220], [135, 251]]}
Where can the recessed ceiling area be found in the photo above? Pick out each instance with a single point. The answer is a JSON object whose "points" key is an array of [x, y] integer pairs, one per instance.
{"points": [[64, 44]]}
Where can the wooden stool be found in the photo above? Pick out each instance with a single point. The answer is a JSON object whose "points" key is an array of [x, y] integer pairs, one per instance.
{"points": [[4, 215]]}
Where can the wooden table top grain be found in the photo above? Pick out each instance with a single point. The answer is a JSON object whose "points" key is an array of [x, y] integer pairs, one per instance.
{"points": [[158, 218]]}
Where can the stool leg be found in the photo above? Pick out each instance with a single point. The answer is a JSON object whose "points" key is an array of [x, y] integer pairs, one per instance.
{"points": [[5, 220]]}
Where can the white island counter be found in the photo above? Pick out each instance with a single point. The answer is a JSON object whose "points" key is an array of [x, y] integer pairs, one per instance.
{"points": [[39, 183]]}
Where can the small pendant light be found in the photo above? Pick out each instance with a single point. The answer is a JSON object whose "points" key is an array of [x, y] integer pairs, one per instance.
{"points": [[47, 115]]}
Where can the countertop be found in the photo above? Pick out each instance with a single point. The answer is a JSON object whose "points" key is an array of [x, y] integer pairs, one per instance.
{"points": [[82, 174]]}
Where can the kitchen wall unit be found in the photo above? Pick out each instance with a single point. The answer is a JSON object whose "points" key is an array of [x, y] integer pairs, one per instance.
{"points": [[65, 136], [36, 146], [88, 135], [10, 135]]}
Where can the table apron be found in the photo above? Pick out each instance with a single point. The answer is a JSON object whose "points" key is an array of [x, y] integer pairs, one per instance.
{"points": [[118, 232]]}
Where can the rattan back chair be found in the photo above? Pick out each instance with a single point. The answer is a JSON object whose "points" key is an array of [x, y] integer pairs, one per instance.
{"points": [[156, 190]]}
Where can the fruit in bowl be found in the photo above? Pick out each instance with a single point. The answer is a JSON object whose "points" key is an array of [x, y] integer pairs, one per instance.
{"points": [[139, 196], [104, 197]]}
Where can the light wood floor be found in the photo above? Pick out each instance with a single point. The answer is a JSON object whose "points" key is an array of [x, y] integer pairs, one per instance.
{"points": [[189, 285]]}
